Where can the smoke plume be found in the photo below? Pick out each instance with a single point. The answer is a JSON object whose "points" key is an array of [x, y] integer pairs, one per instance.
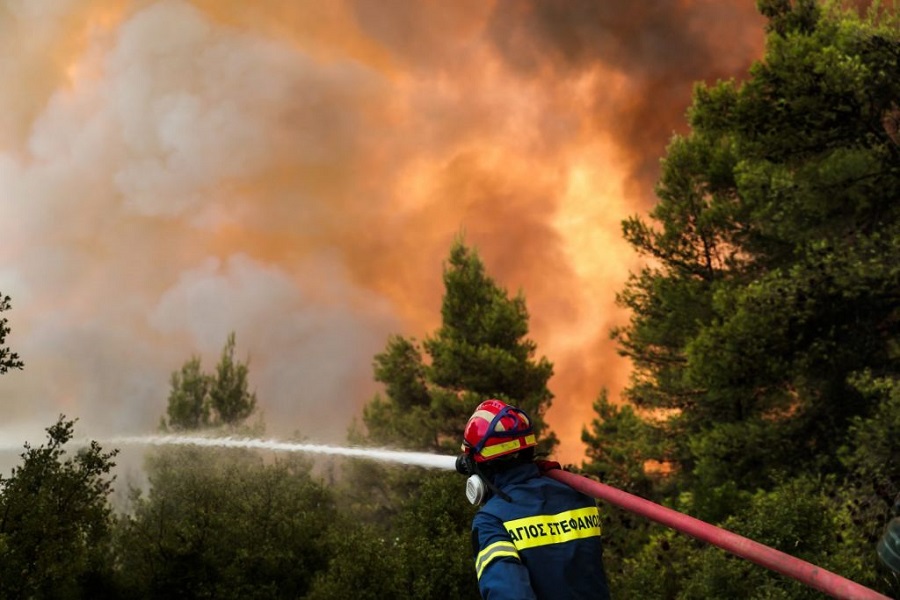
{"points": [[295, 172]]}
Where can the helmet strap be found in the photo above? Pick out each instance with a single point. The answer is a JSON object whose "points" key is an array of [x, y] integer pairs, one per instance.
{"points": [[517, 432]]}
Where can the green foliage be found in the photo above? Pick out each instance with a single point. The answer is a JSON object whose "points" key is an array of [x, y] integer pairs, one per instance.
{"points": [[188, 406], [805, 518], [200, 400], [225, 524], [435, 530], [618, 445], [8, 358], [480, 346], [364, 565], [764, 328], [776, 243], [427, 553], [480, 351], [799, 517], [55, 521], [870, 454], [229, 396], [871, 451], [401, 370]]}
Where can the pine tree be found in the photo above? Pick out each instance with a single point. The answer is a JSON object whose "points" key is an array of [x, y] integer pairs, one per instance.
{"points": [[775, 243], [480, 351], [200, 400], [764, 330]]}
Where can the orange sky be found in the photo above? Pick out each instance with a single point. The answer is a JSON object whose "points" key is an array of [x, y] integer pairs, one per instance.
{"points": [[295, 172]]}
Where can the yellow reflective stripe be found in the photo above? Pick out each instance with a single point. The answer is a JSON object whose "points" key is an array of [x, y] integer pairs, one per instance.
{"points": [[492, 552], [489, 451], [554, 529]]}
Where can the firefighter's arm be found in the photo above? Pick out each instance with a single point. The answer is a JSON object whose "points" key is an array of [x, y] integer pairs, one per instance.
{"points": [[501, 575]]}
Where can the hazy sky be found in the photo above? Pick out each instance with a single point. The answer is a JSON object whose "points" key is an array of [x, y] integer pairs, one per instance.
{"points": [[295, 172]]}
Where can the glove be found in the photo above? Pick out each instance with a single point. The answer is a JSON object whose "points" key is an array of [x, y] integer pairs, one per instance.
{"points": [[546, 465]]}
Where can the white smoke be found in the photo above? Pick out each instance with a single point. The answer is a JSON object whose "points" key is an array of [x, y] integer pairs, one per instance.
{"points": [[112, 206], [295, 172]]}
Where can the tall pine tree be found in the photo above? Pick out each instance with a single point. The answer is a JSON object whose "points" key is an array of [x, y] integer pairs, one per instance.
{"points": [[480, 351], [775, 247], [764, 331]]}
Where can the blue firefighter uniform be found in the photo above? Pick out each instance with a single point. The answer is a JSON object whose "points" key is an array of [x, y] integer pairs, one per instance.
{"points": [[544, 544]]}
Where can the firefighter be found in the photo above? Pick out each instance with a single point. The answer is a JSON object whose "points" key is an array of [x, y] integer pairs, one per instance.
{"points": [[533, 537]]}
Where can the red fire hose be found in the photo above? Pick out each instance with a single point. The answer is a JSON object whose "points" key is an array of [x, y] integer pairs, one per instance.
{"points": [[813, 576]]}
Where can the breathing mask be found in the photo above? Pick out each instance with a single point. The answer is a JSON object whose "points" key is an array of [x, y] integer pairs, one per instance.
{"points": [[477, 489]]}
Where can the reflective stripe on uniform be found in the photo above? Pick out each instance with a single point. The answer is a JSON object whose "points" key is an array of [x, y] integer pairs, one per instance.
{"points": [[554, 529], [493, 450], [492, 552]]}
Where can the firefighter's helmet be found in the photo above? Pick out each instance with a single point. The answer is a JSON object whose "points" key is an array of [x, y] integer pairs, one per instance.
{"points": [[497, 429]]}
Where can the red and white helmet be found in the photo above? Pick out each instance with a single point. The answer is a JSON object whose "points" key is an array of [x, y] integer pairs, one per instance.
{"points": [[496, 429]]}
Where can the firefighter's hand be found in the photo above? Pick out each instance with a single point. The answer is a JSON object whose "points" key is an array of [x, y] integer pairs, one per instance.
{"points": [[546, 465]]}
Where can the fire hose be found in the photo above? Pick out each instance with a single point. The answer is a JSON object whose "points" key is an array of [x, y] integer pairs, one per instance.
{"points": [[807, 573]]}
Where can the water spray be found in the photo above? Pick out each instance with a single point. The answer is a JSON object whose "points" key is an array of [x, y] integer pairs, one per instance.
{"points": [[417, 459]]}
